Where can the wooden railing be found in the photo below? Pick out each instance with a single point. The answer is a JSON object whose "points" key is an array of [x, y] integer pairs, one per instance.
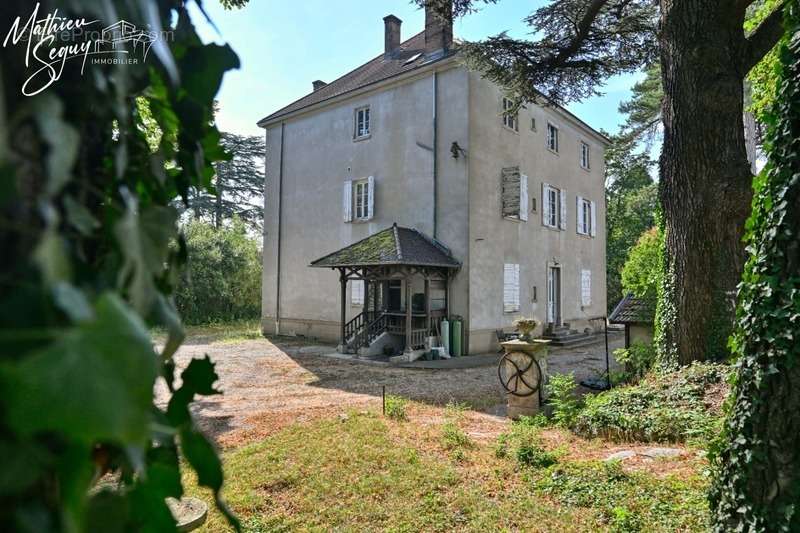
{"points": [[418, 337], [357, 324], [369, 333]]}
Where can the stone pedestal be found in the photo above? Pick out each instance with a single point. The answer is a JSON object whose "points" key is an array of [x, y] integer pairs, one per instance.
{"points": [[524, 380]]}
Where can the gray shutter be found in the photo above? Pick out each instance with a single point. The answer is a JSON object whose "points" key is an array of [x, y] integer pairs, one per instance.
{"points": [[523, 197], [347, 201], [510, 194], [563, 221], [370, 197], [579, 227], [586, 288], [545, 205], [594, 219]]}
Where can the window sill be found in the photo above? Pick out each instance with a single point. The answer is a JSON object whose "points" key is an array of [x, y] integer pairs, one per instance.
{"points": [[362, 138], [513, 218], [587, 169], [554, 152], [512, 130]]}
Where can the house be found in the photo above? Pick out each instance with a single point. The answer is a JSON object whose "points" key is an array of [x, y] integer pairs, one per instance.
{"points": [[638, 316], [404, 182]]}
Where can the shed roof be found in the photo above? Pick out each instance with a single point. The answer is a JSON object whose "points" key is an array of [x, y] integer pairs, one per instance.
{"points": [[633, 310], [393, 246]]}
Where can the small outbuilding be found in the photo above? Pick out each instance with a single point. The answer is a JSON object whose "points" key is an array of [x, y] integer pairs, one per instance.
{"points": [[638, 316]]}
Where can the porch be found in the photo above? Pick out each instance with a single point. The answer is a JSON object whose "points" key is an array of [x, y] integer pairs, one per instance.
{"points": [[405, 277]]}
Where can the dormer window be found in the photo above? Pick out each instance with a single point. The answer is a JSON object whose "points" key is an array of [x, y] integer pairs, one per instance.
{"points": [[362, 123]]}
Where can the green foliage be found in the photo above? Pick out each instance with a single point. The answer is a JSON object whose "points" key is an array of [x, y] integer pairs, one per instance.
{"points": [[668, 407], [628, 501], [631, 202], [757, 465], [638, 360], [395, 407], [563, 400], [643, 111], [86, 206], [524, 444], [453, 437], [223, 278], [641, 275], [763, 78]]}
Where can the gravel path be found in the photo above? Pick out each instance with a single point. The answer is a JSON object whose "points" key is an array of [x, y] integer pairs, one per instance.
{"points": [[269, 384]]}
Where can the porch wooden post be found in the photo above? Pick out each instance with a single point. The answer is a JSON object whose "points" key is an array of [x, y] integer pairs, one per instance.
{"points": [[343, 281], [366, 299], [427, 305], [408, 314]]}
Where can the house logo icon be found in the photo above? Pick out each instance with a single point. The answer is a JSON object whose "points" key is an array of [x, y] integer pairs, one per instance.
{"points": [[124, 37]]}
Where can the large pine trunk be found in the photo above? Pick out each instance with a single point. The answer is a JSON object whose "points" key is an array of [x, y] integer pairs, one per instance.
{"points": [[705, 176]]}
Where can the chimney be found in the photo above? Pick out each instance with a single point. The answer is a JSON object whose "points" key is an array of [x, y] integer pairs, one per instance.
{"points": [[438, 32], [319, 84], [392, 34]]}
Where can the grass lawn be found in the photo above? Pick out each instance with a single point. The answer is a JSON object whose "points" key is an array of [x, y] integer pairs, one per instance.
{"points": [[433, 472]]}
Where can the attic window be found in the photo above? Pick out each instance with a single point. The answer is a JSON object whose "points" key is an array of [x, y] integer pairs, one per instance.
{"points": [[413, 58]]}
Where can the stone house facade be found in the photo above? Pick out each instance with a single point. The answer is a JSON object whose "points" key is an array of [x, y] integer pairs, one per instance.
{"points": [[414, 138]]}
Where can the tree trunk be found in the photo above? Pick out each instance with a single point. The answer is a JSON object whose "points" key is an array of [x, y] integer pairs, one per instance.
{"points": [[705, 176]]}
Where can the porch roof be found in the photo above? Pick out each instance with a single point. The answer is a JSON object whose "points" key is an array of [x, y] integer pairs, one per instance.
{"points": [[633, 310], [393, 246]]}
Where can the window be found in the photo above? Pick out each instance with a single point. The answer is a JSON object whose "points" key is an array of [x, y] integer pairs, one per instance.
{"points": [[362, 123], [362, 200], [359, 199], [510, 288], [357, 292], [510, 121], [585, 155], [552, 138], [586, 288], [515, 194], [554, 207], [586, 217], [533, 124], [438, 295]]}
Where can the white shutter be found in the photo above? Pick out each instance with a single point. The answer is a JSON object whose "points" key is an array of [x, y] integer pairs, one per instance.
{"points": [[523, 197], [563, 221], [545, 205], [370, 197], [357, 292], [594, 219], [579, 227], [586, 288], [510, 287], [347, 201]]}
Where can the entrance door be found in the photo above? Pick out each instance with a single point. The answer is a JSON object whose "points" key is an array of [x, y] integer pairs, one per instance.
{"points": [[394, 299], [554, 295]]}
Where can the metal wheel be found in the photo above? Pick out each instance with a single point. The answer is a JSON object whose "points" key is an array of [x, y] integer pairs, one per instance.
{"points": [[519, 373]]}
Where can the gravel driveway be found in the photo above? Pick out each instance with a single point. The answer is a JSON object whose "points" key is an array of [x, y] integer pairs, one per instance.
{"points": [[268, 384]]}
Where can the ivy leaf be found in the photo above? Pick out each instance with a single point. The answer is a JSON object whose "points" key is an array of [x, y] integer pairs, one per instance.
{"points": [[63, 141], [79, 217], [51, 390]]}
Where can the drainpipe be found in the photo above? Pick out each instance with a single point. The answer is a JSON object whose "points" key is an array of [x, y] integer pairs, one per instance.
{"points": [[280, 226], [435, 148]]}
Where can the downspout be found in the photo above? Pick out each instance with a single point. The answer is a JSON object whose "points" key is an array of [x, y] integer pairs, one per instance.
{"points": [[435, 148], [280, 226]]}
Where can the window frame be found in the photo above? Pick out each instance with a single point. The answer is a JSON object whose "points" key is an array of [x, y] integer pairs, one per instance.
{"points": [[585, 155], [362, 115], [363, 195], [586, 216], [552, 199], [552, 128], [510, 122]]}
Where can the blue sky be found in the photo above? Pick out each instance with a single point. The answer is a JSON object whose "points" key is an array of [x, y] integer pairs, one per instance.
{"points": [[283, 46]]}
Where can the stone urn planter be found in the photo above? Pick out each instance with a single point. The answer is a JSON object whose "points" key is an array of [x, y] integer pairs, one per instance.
{"points": [[190, 513], [523, 373]]}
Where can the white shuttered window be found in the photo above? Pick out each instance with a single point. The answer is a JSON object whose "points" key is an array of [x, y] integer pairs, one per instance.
{"points": [[510, 287], [347, 201]]}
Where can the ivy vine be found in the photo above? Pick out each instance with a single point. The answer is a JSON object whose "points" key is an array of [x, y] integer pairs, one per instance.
{"points": [[757, 463], [91, 254]]}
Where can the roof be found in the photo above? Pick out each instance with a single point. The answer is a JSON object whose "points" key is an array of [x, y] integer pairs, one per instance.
{"points": [[393, 246], [378, 69], [633, 310]]}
